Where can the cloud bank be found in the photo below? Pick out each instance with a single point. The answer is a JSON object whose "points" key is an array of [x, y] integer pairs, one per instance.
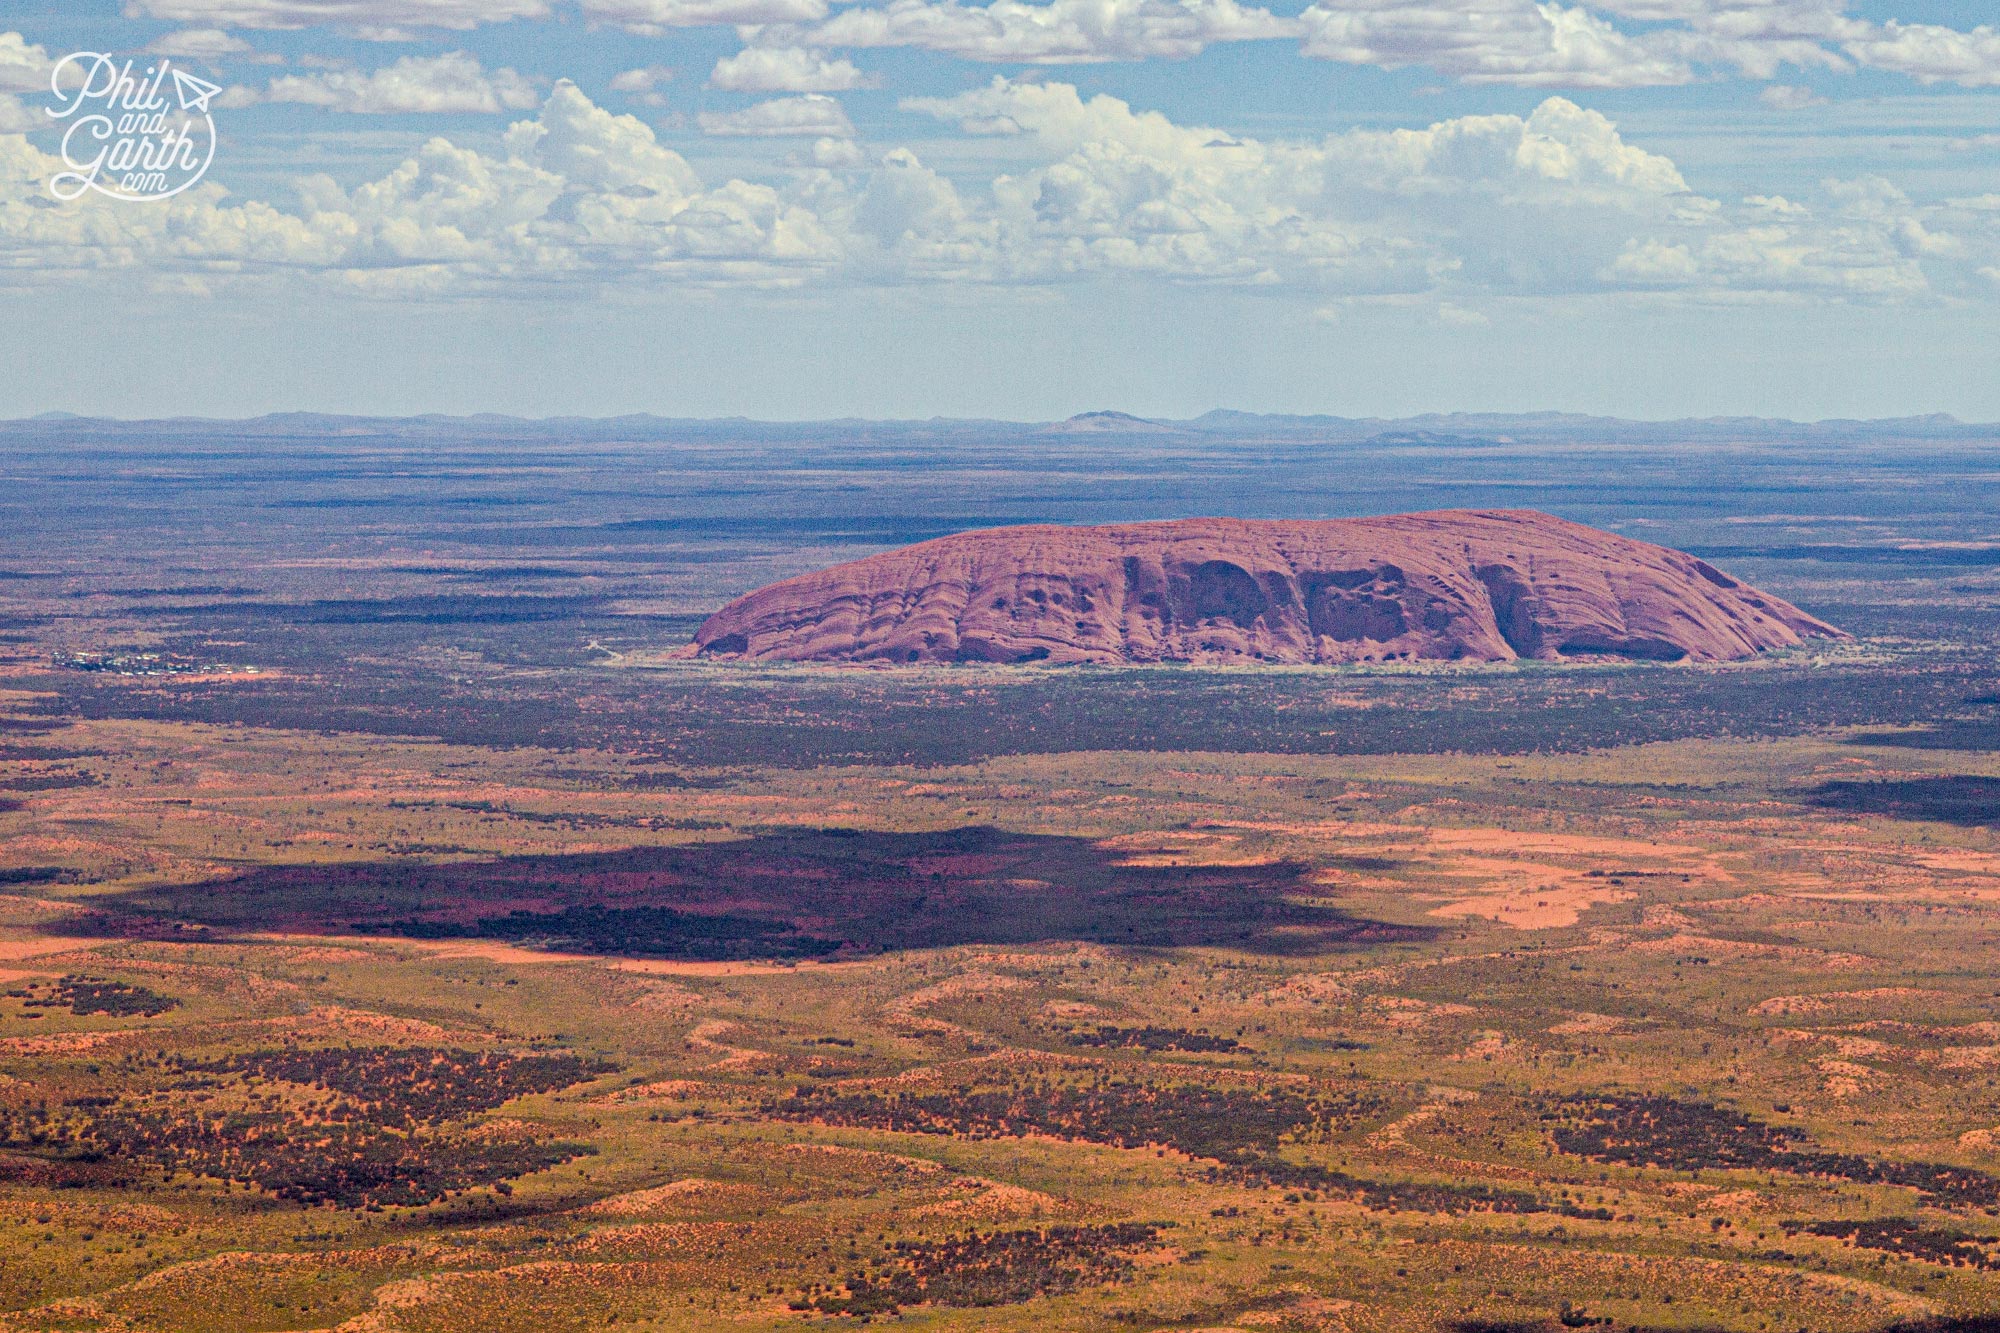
{"points": [[453, 83], [1465, 211]]}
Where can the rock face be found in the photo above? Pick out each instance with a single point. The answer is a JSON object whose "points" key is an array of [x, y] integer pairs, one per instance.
{"points": [[1454, 585]]}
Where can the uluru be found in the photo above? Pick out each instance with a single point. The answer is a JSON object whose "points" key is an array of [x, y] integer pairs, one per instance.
{"points": [[1449, 585]]}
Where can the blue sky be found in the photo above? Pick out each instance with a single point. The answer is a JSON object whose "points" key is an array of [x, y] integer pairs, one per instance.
{"points": [[1023, 208]]}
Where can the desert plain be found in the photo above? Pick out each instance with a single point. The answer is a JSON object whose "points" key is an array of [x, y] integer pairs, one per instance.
{"points": [[399, 933]]}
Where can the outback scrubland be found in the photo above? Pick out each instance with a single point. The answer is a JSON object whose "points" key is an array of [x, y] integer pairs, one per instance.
{"points": [[389, 943]]}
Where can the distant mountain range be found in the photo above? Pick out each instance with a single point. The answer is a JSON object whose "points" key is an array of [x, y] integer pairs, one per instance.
{"points": [[1455, 429]]}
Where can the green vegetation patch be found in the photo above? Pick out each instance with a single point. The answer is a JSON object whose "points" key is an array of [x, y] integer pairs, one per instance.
{"points": [[1696, 1136], [987, 1269], [352, 1127], [414, 1085], [1226, 1124], [1152, 1039], [94, 995], [1945, 1246]]}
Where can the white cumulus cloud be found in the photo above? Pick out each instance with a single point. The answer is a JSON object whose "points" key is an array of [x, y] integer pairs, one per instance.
{"points": [[641, 80], [18, 118], [644, 83], [1505, 203], [1551, 204], [1931, 54], [1550, 43], [1490, 41], [1534, 43], [200, 44], [1058, 32], [786, 69], [593, 150], [811, 116], [656, 17], [445, 84], [1789, 97], [1452, 216], [359, 14], [24, 67]]}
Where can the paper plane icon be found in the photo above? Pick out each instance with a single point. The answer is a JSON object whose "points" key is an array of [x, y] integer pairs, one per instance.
{"points": [[194, 93]]}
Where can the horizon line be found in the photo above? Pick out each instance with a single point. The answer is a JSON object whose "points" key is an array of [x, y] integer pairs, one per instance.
{"points": [[1109, 416]]}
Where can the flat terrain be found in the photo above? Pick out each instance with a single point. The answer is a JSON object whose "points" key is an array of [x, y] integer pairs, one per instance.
{"points": [[395, 938]]}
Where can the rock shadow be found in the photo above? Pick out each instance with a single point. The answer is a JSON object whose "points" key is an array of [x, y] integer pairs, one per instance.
{"points": [[1951, 799], [779, 893]]}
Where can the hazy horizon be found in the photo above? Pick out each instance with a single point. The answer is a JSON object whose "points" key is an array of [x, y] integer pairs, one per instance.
{"points": [[1083, 418]]}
